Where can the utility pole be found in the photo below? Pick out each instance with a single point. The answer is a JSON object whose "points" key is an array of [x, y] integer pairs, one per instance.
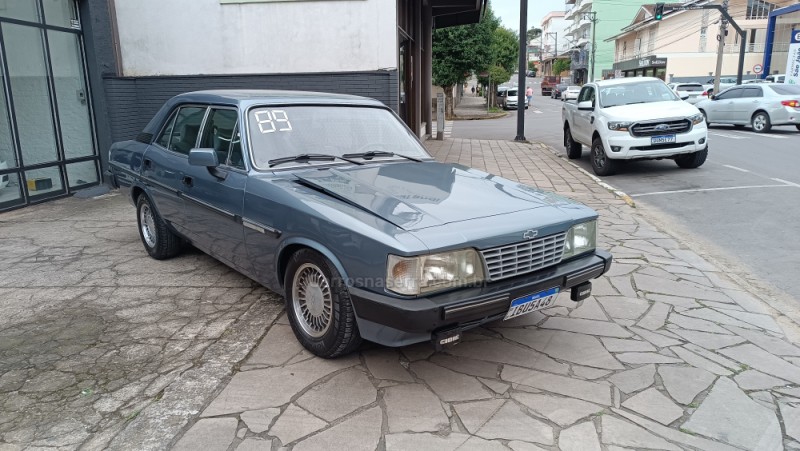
{"points": [[593, 18], [555, 52], [523, 66], [723, 30]]}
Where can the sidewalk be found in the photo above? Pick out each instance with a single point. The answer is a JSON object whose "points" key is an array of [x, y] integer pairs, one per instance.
{"points": [[669, 353], [472, 107]]}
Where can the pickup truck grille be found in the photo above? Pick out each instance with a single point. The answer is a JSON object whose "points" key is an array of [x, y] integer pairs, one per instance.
{"points": [[661, 127], [519, 258]]}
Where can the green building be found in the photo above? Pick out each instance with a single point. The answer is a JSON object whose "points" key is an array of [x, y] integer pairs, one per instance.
{"points": [[609, 17]]}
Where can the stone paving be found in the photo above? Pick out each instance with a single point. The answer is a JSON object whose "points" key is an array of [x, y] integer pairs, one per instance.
{"points": [[103, 347], [99, 342], [669, 353]]}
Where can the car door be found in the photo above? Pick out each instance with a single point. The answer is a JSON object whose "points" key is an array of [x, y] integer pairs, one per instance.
{"points": [[214, 196], [166, 160], [583, 119], [721, 108], [747, 104]]}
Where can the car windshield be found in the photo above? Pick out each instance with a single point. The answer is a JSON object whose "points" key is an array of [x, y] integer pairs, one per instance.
{"points": [[639, 92], [786, 90], [690, 88], [280, 132]]}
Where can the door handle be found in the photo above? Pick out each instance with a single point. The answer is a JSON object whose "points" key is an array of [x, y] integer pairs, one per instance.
{"points": [[187, 181]]}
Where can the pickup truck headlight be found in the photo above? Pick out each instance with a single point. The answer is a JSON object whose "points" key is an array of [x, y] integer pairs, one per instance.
{"points": [[580, 238], [619, 126], [426, 273], [697, 118]]}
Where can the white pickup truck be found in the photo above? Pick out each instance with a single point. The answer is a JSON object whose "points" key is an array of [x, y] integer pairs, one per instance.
{"points": [[633, 119]]}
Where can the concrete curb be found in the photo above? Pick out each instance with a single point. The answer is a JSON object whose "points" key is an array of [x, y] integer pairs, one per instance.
{"points": [[621, 194], [479, 118]]}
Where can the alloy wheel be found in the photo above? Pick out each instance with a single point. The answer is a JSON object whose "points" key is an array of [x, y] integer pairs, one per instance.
{"points": [[148, 225], [312, 300]]}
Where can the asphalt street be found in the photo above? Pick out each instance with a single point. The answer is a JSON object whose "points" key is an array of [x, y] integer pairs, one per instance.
{"points": [[744, 201]]}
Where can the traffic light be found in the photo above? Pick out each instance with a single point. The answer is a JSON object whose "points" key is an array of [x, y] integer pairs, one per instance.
{"points": [[659, 11]]}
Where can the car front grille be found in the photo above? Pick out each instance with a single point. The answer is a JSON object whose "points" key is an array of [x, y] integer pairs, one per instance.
{"points": [[661, 128], [514, 259]]}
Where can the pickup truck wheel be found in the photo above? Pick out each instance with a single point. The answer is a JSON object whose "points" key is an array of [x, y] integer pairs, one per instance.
{"points": [[158, 240], [574, 149], [692, 160], [601, 164], [705, 117], [318, 305], [797, 127], [760, 122]]}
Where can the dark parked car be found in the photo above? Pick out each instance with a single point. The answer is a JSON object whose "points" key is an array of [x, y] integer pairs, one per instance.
{"points": [[557, 90], [332, 201]]}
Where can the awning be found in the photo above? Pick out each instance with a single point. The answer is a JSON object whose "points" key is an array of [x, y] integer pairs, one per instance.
{"points": [[449, 13]]}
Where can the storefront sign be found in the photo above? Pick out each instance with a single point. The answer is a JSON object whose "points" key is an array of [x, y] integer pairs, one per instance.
{"points": [[640, 63], [793, 60]]}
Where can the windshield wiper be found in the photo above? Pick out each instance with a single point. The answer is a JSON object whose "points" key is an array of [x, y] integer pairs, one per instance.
{"points": [[372, 154], [310, 157]]}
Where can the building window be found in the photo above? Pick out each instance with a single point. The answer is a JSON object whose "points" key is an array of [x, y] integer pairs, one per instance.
{"points": [[759, 9], [625, 50], [651, 43], [637, 48]]}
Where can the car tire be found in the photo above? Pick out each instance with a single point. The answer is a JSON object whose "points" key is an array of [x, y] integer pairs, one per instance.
{"points": [[158, 240], [797, 127], [319, 307], [760, 122], [601, 164], [692, 160], [574, 149]]}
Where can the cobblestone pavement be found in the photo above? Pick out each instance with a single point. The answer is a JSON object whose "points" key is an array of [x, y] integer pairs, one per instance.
{"points": [[102, 346], [96, 337], [667, 354]]}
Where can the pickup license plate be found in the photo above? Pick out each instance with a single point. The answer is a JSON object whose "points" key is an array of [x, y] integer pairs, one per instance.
{"points": [[532, 302], [662, 139]]}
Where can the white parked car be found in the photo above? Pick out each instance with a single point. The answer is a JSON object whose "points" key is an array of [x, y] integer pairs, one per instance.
{"points": [[761, 106], [690, 92], [633, 119], [511, 99], [571, 93], [4, 177], [776, 78]]}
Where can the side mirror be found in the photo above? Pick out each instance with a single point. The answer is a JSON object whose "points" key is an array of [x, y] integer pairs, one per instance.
{"points": [[203, 157], [586, 105], [712, 97]]}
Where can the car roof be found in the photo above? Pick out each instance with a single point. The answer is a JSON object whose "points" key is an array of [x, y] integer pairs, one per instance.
{"points": [[624, 81], [258, 96]]}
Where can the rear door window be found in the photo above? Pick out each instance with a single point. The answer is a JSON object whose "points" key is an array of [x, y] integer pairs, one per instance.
{"points": [[186, 129], [752, 92]]}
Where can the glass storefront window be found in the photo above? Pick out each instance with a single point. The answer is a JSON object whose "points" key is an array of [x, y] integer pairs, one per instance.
{"points": [[59, 12], [8, 158], [21, 10], [83, 173], [71, 94], [28, 77], [10, 193], [44, 181]]}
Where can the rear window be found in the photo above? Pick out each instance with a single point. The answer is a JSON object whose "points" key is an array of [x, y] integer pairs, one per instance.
{"points": [[786, 90], [690, 88], [512, 92]]}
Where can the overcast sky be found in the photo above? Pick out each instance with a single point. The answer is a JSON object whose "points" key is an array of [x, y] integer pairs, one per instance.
{"points": [[508, 11]]}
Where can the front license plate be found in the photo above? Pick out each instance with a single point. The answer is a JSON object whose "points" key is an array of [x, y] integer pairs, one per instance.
{"points": [[662, 139], [532, 302]]}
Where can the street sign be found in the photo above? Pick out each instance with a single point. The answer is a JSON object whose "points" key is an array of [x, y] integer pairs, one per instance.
{"points": [[757, 69], [793, 60]]}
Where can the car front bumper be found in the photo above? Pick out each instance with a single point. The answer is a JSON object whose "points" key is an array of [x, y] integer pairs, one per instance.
{"points": [[623, 146], [392, 321]]}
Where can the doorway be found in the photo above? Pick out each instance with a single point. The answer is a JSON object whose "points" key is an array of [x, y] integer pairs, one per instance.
{"points": [[47, 140]]}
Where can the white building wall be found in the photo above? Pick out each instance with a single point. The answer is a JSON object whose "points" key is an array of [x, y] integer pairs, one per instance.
{"points": [[190, 37], [555, 25]]}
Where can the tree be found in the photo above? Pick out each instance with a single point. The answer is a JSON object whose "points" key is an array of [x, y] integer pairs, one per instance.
{"points": [[560, 65], [504, 54], [533, 33], [458, 51]]}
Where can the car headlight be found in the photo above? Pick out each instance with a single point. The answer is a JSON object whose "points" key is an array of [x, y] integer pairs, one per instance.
{"points": [[426, 273], [697, 118], [619, 126], [580, 238]]}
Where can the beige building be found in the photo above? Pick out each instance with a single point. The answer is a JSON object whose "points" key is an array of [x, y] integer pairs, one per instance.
{"points": [[683, 45]]}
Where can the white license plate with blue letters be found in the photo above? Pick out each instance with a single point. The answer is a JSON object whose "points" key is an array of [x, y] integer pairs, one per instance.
{"points": [[532, 302], [662, 139]]}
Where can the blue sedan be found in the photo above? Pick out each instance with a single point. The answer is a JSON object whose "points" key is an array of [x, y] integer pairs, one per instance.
{"points": [[332, 201]]}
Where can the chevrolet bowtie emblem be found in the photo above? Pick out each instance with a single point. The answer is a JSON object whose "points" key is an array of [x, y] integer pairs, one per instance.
{"points": [[530, 234]]}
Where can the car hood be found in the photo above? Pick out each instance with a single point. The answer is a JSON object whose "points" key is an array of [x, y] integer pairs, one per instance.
{"points": [[415, 196], [650, 111]]}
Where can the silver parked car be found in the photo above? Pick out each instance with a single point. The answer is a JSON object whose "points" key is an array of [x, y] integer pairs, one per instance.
{"points": [[571, 93], [690, 92], [762, 106]]}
